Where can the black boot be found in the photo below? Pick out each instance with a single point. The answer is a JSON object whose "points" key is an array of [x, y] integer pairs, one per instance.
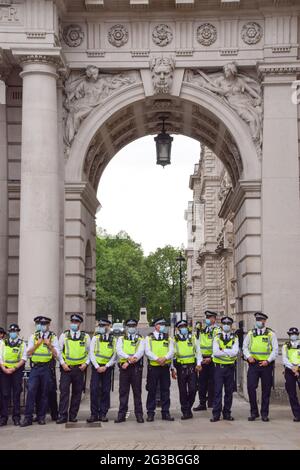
{"points": [[214, 419], [61, 420], [26, 422], [93, 419], [187, 416], [150, 418], [139, 419], [16, 420], [3, 421], [120, 419], [167, 417], [104, 419], [200, 408]]}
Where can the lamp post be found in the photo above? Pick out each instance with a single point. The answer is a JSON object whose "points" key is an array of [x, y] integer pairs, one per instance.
{"points": [[180, 260], [163, 146]]}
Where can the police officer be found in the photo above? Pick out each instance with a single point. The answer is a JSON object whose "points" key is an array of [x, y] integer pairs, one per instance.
{"points": [[159, 349], [225, 352], [206, 377], [2, 333], [187, 361], [103, 358], [42, 348], [12, 359], [260, 348], [130, 351], [2, 336], [74, 359], [291, 362]]}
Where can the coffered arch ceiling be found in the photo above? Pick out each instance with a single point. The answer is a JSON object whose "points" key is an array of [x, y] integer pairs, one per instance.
{"points": [[143, 118]]}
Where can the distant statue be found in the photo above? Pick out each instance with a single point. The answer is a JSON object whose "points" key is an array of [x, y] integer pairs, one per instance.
{"points": [[143, 301], [86, 92], [241, 92]]}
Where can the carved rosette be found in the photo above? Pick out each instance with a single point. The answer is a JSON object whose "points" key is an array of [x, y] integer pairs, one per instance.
{"points": [[251, 33], [73, 35], [206, 34], [162, 35], [118, 35]]}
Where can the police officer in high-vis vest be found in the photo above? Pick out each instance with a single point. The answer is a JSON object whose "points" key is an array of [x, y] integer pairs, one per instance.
{"points": [[225, 352], [2, 337], [260, 349], [206, 377], [103, 358], [130, 351], [42, 348], [187, 361], [74, 358], [12, 360], [159, 349], [291, 362]]}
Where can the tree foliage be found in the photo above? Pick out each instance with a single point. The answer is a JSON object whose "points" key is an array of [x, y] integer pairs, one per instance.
{"points": [[124, 274]]}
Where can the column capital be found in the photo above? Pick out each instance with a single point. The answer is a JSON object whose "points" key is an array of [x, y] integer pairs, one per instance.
{"points": [[38, 60], [278, 72]]}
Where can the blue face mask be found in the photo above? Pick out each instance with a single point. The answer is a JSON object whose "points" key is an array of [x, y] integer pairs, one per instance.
{"points": [[162, 328], [207, 322], [38, 327], [43, 328], [13, 335], [100, 330], [226, 328], [132, 331], [294, 337], [259, 324], [183, 331], [74, 327]]}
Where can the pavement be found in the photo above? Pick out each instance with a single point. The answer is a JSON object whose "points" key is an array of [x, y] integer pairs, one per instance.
{"points": [[196, 434]]}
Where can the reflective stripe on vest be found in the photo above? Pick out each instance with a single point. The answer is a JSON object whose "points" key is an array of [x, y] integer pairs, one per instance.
{"points": [[206, 341], [159, 347], [293, 355], [260, 346], [129, 347], [185, 350], [42, 353], [12, 354], [74, 352], [104, 350], [225, 359]]}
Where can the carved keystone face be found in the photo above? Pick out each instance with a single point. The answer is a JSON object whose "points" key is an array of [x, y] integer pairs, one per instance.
{"points": [[162, 78]]}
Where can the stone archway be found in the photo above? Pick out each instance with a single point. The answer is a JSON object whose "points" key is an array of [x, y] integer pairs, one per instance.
{"points": [[195, 112]]}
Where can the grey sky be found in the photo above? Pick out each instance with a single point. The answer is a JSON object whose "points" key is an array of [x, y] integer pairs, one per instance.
{"points": [[144, 199]]}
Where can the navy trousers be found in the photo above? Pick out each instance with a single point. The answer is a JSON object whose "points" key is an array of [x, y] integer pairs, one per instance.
{"points": [[11, 387], [131, 377], [73, 379], [187, 386], [224, 379], [256, 373], [52, 397], [158, 375], [39, 381], [206, 384], [291, 385], [100, 392]]}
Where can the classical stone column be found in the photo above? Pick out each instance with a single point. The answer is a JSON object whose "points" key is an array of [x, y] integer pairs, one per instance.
{"points": [[280, 198], [3, 206], [40, 191]]}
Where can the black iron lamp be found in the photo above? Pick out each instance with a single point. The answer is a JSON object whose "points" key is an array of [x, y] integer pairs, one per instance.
{"points": [[163, 146]]}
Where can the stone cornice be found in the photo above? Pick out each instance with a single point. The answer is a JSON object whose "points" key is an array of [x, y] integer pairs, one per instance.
{"points": [[245, 189], [85, 193], [275, 68]]}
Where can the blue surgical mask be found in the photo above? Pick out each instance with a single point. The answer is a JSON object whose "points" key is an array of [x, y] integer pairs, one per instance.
{"points": [[132, 331], [13, 335], [183, 331], [43, 328], [226, 328], [207, 322], [294, 337], [38, 327], [259, 324], [74, 327], [101, 330], [162, 328]]}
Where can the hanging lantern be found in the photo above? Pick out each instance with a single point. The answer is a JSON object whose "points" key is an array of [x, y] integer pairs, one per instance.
{"points": [[163, 147]]}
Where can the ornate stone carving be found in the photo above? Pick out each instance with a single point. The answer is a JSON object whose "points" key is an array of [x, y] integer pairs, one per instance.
{"points": [[252, 32], [241, 92], [73, 35], [206, 34], [88, 90], [118, 35], [162, 69], [162, 35]]}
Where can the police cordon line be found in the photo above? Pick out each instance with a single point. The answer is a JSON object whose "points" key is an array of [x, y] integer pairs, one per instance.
{"points": [[202, 361]]}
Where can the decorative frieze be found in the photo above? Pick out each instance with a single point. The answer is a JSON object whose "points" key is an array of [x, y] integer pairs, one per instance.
{"points": [[162, 35]]}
